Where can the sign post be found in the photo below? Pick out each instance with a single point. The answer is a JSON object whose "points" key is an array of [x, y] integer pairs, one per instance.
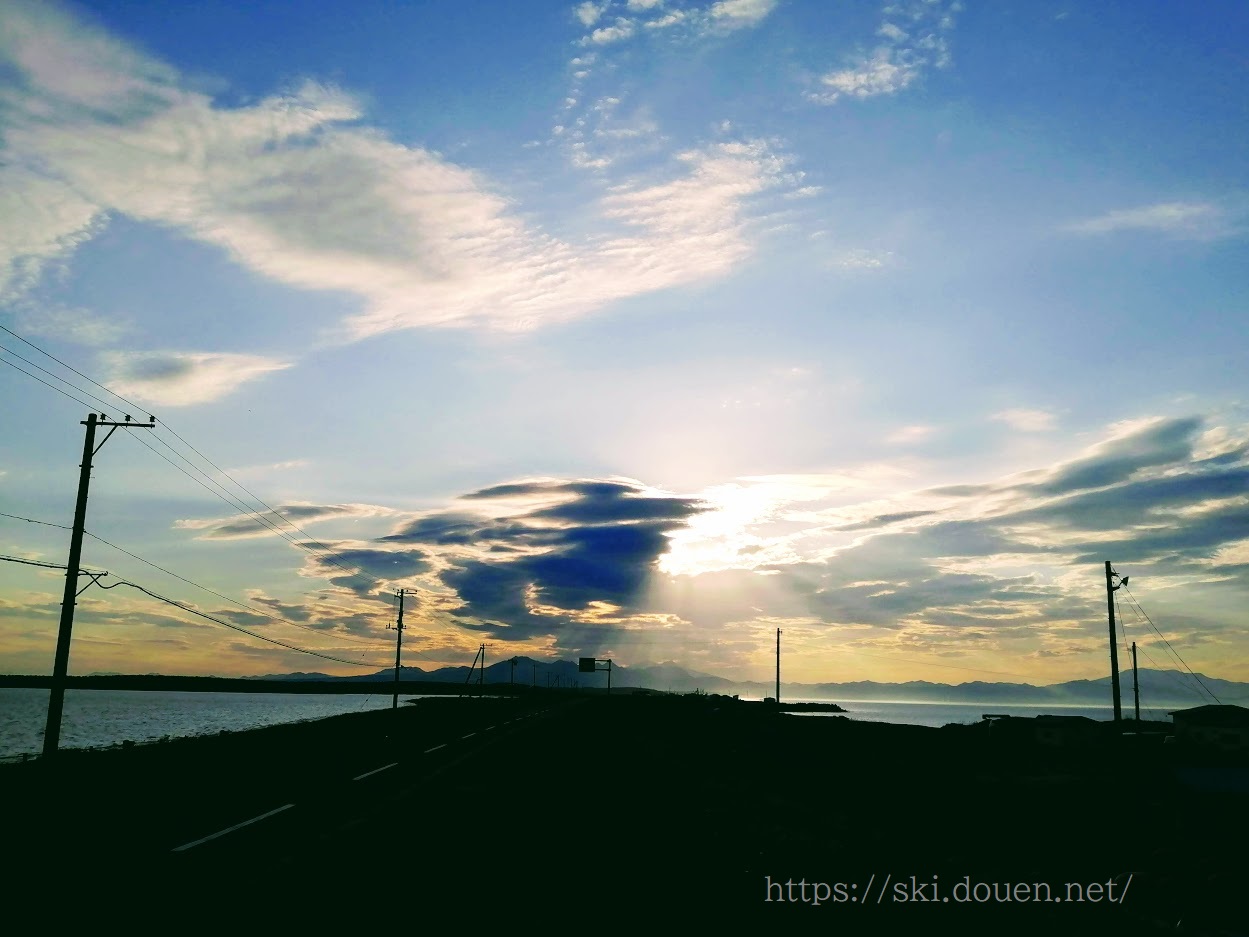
{"points": [[591, 665]]}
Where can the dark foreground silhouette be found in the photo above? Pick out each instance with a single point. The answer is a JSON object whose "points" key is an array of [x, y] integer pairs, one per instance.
{"points": [[638, 812]]}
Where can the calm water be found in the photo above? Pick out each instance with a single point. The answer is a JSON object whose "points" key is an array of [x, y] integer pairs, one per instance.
{"points": [[939, 714], [108, 717]]}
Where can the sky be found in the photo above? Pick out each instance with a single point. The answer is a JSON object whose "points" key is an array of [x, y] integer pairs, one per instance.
{"points": [[635, 329]]}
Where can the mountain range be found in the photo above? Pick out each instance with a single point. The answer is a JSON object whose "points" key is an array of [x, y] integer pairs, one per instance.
{"points": [[1158, 687]]}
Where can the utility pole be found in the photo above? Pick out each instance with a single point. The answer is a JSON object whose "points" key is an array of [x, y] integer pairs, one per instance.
{"points": [[778, 666], [1114, 646], [394, 703], [471, 669], [1136, 687], [56, 699]]}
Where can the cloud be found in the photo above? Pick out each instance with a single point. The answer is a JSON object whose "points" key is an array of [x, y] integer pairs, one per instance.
{"points": [[552, 552], [589, 13], [40, 219], [886, 72], [367, 571], [884, 520], [906, 52], [1027, 421], [1199, 221], [668, 19], [242, 526], [910, 434], [299, 189], [184, 378], [70, 324], [860, 259], [740, 13], [1136, 445], [622, 29]]}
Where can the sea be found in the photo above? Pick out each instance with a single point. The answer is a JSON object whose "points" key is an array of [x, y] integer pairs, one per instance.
{"points": [[943, 713], [104, 718]]}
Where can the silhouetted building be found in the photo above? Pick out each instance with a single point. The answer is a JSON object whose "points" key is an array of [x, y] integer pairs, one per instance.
{"points": [[1224, 727], [1054, 731]]}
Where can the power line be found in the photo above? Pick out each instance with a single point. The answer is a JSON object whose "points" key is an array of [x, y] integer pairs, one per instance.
{"points": [[18, 559], [1168, 644], [133, 405], [292, 647], [46, 384], [237, 505], [31, 520], [53, 376], [243, 605], [1179, 684], [190, 582]]}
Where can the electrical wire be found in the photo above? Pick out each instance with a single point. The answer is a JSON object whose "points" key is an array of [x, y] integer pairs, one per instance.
{"points": [[31, 520], [238, 505], [46, 384], [307, 546], [1168, 644], [243, 605], [1179, 679], [81, 571], [53, 376], [260, 637], [190, 582]]}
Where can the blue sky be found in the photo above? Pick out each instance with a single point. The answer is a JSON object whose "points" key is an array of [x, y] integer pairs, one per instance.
{"points": [[630, 328]]}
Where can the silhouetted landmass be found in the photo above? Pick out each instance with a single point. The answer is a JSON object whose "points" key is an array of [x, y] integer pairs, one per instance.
{"points": [[1164, 689], [638, 811]]}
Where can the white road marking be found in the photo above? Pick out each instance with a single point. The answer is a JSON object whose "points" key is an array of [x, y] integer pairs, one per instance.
{"points": [[361, 777], [435, 748], [231, 829]]}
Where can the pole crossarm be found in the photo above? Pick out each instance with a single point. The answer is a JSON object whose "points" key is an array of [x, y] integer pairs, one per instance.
{"points": [[126, 425]]}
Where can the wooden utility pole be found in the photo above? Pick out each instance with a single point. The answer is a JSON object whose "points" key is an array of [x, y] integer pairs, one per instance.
{"points": [[778, 666], [1114, 643], [480, 653], [60, 668], [1136, 686], [394, 703]]}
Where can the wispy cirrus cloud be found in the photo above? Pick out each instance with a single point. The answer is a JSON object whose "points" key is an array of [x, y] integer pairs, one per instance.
{"points": [[184, 378], [905, 435], [279, 522], [1199, 221], [297, 188], [1025, 420], [629, 16], [70, 324], [912, 39], [592, 127]]}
